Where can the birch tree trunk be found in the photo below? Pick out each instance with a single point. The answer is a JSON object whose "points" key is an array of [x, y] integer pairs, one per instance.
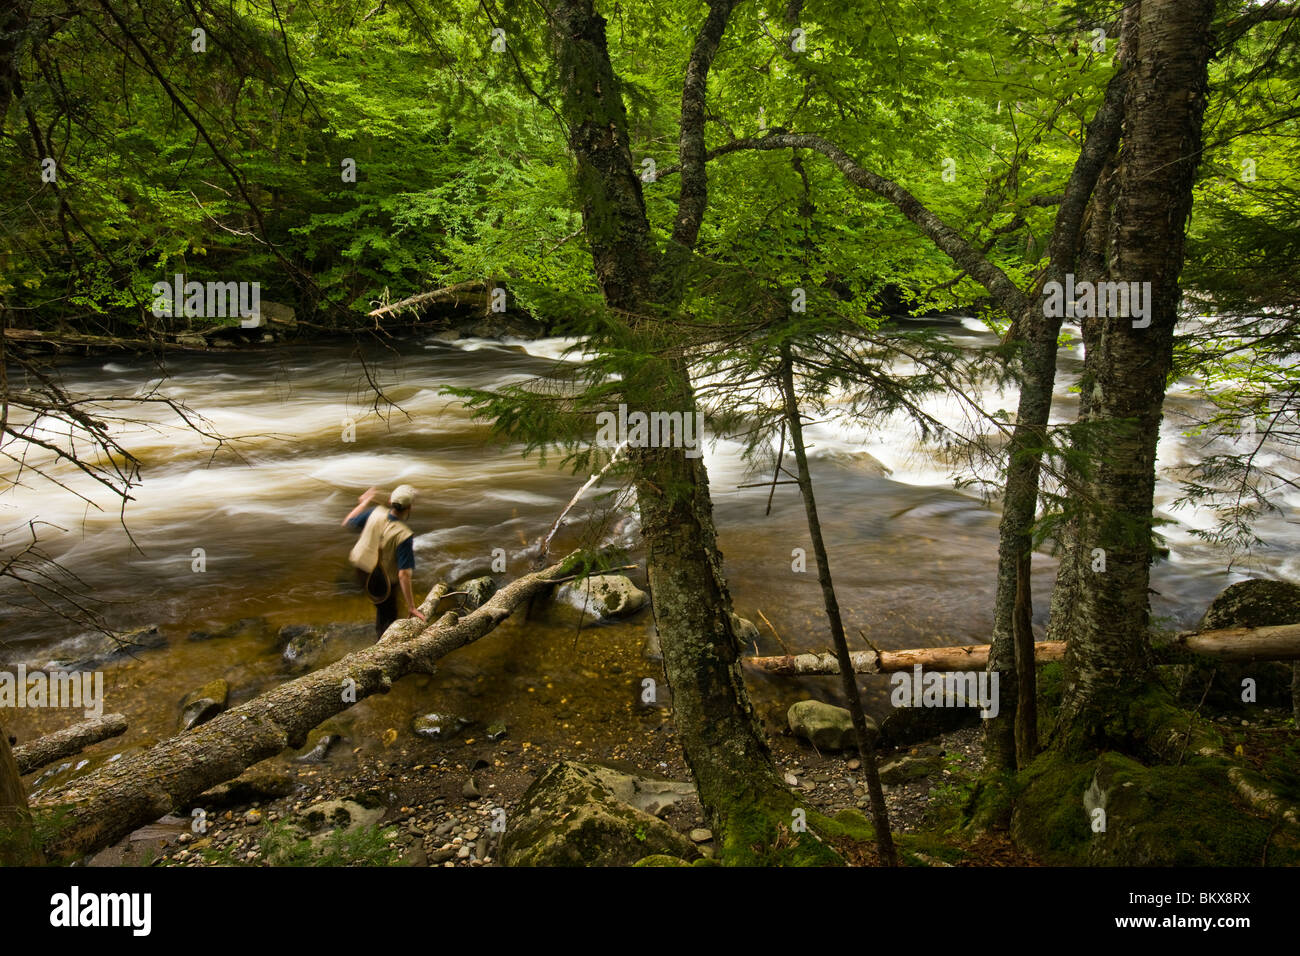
{"points": [[1108, 658]]}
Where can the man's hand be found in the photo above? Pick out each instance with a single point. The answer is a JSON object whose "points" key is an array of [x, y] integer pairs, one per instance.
{"points": [[368, 495], [416, 613]]}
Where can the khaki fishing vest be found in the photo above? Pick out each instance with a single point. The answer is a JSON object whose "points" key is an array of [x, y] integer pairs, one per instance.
{"points": [[378, 543]]}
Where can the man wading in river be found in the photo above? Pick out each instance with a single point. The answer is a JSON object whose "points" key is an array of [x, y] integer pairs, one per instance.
{"points": [[385, 553]]}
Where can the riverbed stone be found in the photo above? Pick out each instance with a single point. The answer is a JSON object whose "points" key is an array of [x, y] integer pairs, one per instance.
{"points": [[602, 597], [824, 725], [321, 750], [572, 816], [203, 704], [1256, 602]]}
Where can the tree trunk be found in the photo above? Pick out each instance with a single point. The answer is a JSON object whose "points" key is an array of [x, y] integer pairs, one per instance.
{"points": [[1277, 643], [720, 736], [96, 810], [1011, 731], [865, 738], [17, 842], [68, 741], [1108, 658]]}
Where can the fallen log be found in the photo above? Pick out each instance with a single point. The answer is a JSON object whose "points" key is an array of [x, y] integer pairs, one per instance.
{"points": [[96, 810], [66, 742], [1279, 643], [474, 292]]}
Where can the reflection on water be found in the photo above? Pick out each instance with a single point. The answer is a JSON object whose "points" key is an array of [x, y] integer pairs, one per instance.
{"points": [[913, 559]]}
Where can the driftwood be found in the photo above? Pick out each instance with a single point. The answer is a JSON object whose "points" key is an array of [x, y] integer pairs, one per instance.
{"points": [[96, 810], [1280, 643], [97, 341], [70, 740], [475, 292]]}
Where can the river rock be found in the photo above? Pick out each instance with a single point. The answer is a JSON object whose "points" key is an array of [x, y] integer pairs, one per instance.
{"points": [[746, 630], [496, 730], [203, 704], [303, 646], [478, 592], [88, 651], [823, 725], [859, 461], [438, 726], [602, 597], [1253, 603], [572, 816], [651, 650]]}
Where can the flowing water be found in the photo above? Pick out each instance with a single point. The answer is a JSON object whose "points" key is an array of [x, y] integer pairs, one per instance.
{"points": [[913, 557]]}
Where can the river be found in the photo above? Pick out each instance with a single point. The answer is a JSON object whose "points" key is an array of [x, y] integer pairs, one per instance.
{"points": [[913, 557]]}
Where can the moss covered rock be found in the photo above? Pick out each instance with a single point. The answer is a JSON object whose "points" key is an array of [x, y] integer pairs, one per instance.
{"points": [[1115, 811], [823, 725], [1253, 603], [576, 814]]}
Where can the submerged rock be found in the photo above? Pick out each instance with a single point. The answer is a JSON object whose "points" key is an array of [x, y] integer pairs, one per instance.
{"points": [[573, 815], [88, 651], [602, 597], [438, 726], [203, 704]]}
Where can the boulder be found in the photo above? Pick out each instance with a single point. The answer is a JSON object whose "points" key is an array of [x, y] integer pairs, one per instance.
{"points": [[574, 814], [823, 725], [1252, 603], [602, 597], [905, 726], [859, 461], [203, 704]]}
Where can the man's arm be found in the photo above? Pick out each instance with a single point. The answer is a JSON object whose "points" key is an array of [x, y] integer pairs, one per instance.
{"points": [[362, 503], [405, 568], [404, 576]]}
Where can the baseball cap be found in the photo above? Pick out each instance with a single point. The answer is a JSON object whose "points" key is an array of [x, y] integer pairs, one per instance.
{"points": [[402, 496]]}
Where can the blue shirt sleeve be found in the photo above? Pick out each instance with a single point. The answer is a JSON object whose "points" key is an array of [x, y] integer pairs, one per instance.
{"points": [[359, 522], [406, 555]]}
